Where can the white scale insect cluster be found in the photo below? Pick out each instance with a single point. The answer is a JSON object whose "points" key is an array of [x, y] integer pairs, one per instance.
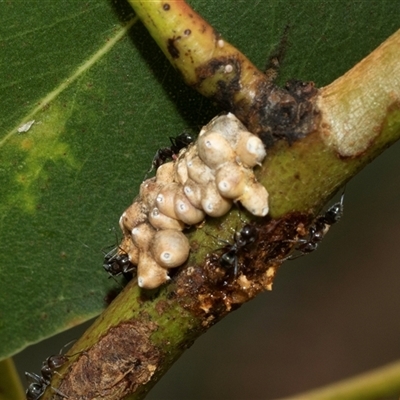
{"points": [[205, 179]]}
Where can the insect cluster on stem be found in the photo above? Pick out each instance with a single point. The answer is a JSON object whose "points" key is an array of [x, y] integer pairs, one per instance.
{"points": [[206, 178]]}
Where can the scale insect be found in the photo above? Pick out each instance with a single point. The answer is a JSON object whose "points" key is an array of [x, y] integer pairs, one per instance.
{"points": [[205, 179]]}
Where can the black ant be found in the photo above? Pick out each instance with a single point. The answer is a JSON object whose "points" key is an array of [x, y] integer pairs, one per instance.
{"points": [[177, 144], [115, 262], [38, 384], [241, 241], [118, 263], [319, 229]]}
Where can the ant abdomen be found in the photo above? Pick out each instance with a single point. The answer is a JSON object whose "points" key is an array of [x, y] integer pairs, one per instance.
{"points": [[242, 240]]}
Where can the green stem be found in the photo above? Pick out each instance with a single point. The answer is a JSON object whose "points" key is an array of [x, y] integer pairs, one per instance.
{"points": [[379, 383], [218, 70], [10, 384], [352, 128], [190, 44]]}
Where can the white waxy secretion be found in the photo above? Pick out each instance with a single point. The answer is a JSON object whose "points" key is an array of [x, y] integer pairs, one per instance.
{"points": [[25, 127], [228, 68]]}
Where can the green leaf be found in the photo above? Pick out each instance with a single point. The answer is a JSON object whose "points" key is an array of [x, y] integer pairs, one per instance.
{"points": [[103, 99]]}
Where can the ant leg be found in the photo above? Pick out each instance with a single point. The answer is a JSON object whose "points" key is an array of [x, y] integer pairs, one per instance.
{"points": [[236, 267], [59, 393]]}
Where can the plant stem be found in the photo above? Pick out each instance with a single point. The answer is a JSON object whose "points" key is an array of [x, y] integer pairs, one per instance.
{"points": [[378, 383], [219, 71], [10, 384], [359, 117], [138, 337]]}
